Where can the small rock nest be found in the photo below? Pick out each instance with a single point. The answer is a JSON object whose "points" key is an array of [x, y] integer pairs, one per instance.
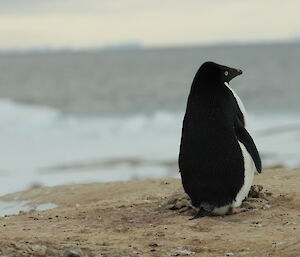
{"points": [[258, 198]]}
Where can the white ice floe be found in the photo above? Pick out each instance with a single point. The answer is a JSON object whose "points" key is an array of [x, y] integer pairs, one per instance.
{"points": [[14, 207]]}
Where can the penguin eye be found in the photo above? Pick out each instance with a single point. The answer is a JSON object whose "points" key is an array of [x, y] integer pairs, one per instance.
{"points": [[226, 73]]}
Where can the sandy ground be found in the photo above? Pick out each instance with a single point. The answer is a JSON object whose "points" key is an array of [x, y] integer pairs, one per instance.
{"points": [[133, 219]]}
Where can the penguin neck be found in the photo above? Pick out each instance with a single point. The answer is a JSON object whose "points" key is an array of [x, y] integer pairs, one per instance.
{"points": [[201, 87]]}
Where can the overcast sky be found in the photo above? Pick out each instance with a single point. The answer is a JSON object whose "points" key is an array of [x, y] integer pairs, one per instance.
{"points": [[90, 23]]}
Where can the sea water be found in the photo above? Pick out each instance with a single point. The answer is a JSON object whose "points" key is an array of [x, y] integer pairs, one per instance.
{"points": [[105, 116]]}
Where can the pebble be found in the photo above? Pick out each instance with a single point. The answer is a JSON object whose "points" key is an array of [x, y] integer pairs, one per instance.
{"points": [[248, 205], [39, 249], [257, 223], [274, 245], [71, 253], [6, 252], [49, 252], [160, 234], [290, 223], [184, 252], [153, 245]]}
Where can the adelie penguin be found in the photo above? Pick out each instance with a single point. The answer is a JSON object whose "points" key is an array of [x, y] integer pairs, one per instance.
{"points": [[218, 157]]}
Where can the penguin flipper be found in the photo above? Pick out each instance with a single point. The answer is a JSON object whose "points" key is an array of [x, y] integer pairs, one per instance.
{"points": [[244, 137], [201, 213]]}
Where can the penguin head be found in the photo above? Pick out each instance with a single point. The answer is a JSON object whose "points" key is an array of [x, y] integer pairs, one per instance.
{"points": [[211, 72]]}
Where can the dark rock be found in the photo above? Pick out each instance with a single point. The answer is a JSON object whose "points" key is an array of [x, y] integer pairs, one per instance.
{"points": [[153, 245]]}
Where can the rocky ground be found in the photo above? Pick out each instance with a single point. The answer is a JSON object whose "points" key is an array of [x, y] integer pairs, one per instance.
{"points": [[151, 218]]}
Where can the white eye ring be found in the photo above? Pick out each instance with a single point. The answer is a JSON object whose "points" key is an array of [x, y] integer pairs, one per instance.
{"points": [[226, 73]]}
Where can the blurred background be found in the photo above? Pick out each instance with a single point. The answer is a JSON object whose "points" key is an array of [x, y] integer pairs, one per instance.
{"points": [[96, 90]]}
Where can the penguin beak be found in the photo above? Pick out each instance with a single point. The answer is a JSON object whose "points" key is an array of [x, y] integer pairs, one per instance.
{"points": [[239, 71], [234, 73]]}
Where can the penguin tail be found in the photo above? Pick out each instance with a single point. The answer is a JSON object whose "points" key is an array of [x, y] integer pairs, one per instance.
{"points": [[200, 214], [204, 209]]}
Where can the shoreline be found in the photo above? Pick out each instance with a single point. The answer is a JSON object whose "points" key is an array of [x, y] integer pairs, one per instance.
{"points": [[131, 219]]}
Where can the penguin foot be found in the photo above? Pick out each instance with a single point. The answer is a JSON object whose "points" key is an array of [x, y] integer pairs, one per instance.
{"points": [[201, 213], [237, 210]]}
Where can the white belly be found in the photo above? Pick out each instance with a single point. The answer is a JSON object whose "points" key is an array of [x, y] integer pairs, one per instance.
{"points": [[240, 103], [249, 170]]}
